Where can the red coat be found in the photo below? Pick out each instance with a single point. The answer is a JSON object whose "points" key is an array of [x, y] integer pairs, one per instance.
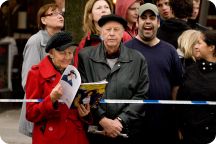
{"points": [[52, 124]]}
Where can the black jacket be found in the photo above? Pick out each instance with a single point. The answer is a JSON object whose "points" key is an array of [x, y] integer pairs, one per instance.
{"points": [[128, 79], [171, 29], [198, 122]]}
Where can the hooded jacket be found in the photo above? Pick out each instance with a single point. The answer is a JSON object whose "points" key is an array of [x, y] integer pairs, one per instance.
{"points": [[121, 10]]}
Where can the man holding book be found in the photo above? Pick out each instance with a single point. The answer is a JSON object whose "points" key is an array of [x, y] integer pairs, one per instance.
{"points": [[126, 72]]}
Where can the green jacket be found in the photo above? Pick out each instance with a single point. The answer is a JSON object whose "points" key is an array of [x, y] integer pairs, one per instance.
{"points": [[128, 79]]}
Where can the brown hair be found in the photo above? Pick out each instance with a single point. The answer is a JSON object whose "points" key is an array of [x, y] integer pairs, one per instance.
{"points": [[88, 24], [182, 8], [43, 11]]}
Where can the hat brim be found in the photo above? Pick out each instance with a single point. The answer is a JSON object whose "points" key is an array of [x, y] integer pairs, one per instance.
{"points": [[109, 18], [63, 47]]}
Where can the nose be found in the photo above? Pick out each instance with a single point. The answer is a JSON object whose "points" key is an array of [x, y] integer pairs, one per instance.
{"points": [[111, 32], [196, 46], [104, 10], [60, 15], [148, 20], [68, 55]]}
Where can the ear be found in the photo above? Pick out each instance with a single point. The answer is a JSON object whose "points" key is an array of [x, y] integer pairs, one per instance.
{"points": [[212, 47], [51, 54], [43, 20], [90, 16], [158, 21]]}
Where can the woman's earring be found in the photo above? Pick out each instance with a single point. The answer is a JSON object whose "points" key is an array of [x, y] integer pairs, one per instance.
{"points": [[51, 56]]}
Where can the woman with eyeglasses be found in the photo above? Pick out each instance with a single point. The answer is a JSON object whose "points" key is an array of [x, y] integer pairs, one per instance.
{"points": [[50, 21], [54, 122]]}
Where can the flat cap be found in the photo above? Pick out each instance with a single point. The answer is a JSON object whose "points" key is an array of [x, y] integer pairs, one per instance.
{"points": [[148, 6], [60, 41], [111, 17]]}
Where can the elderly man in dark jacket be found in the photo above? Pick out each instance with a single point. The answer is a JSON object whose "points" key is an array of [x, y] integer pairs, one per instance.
{"points": [[126, 72]]}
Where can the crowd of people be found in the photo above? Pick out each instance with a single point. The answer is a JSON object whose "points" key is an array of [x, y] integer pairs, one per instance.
{"points": [[154, 51]]}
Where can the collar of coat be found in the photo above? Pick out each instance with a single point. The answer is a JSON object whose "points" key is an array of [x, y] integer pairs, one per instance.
{"points": [[98, 54], [46, 68], [44, 37]]}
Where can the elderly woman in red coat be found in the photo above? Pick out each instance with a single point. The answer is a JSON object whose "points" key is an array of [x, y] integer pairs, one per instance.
{"points": [[54, 122]]}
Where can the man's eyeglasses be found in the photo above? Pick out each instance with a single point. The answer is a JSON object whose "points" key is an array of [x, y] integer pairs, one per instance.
{"points": [[55, 14]]}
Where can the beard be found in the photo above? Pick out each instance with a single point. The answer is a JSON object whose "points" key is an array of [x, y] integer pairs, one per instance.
{"points": [[146, 36]]}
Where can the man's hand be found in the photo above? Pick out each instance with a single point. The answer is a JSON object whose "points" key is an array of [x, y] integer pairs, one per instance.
{"points": [[112, 128]]}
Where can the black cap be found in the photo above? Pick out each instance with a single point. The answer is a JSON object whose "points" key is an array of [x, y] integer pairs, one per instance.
{"points": [[107, 18], [60, 41]]}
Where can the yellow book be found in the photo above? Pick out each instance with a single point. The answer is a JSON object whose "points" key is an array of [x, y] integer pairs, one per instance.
{"points": [[90, 93]]}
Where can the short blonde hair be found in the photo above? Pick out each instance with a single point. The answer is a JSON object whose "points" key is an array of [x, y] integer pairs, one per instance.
{"points": [[88, 24], [186, 42]]}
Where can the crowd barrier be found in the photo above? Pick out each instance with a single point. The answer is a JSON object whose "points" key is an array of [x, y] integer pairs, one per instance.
{"points": [[183, 102]]}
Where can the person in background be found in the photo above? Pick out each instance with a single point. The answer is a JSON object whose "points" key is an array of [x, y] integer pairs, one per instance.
{"points": [[128, 9], [172, 28], [4, 18], [164, 9], [126, 72], [197, 123], [196, 8], [50, 21], [165, 76], [186, 43], [94, 9], [15, 7], [193, 20], [60, 4], [54, 122]]}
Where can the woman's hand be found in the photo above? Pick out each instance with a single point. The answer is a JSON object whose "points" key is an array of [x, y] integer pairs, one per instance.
{"points": [[56, 93], [83, 109]]}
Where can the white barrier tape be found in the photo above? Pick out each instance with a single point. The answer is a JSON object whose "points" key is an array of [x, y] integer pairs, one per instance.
{"points": [[21, 100], [159, 102], [127, 101]]}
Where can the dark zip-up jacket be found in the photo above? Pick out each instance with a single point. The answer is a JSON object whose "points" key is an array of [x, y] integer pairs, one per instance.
{"points": [[128, 79]]}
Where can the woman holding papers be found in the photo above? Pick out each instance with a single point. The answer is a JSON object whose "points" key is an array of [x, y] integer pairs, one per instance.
{"points": [[54, 122]]}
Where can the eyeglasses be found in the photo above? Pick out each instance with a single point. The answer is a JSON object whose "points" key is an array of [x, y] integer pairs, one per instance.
{"points": [[55, 14]]}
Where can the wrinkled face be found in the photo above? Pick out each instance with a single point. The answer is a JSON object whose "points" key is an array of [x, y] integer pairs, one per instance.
{"points": [[202, 50], [62, 59], [164, 9], [148, 25], [132, 13], [100, 8], [112, 33], [53, 19]]}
